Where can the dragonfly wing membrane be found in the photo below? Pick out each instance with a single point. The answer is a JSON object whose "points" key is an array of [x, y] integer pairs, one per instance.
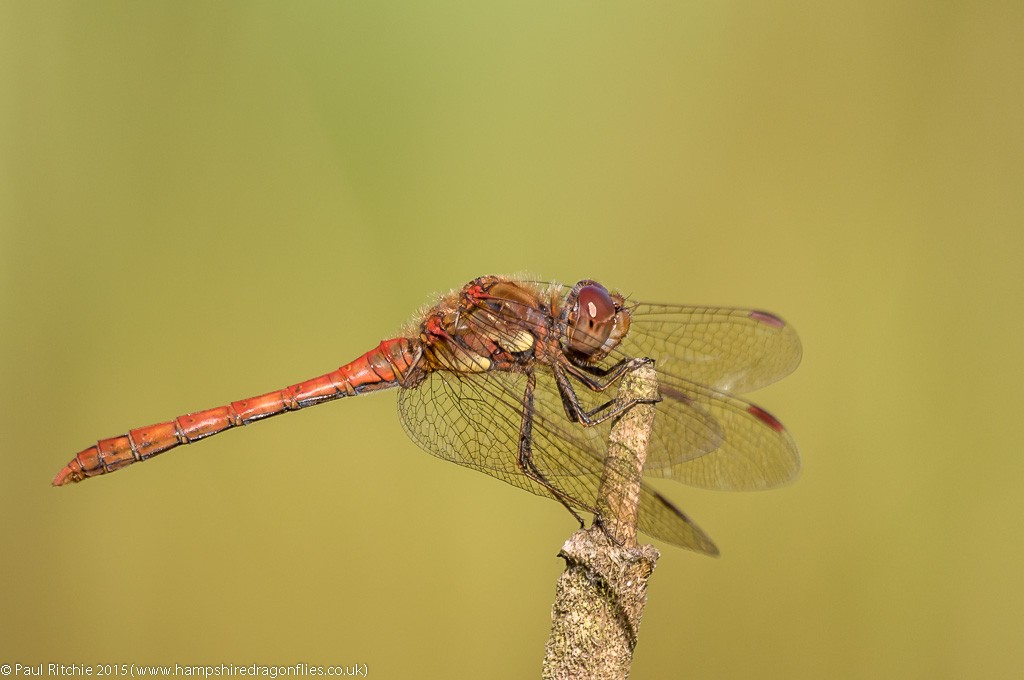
{"points": [[755, 451], [731, 350], [476, 423]]}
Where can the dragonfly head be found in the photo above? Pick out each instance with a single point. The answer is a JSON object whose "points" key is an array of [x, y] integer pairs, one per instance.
{"points": [[595, 321]]}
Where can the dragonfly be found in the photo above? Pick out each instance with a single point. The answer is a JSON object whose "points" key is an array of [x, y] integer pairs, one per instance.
{"points": [[518, 378]]}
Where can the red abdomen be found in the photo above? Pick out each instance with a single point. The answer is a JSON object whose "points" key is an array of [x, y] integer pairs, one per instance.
{"points": [[390, 364]]}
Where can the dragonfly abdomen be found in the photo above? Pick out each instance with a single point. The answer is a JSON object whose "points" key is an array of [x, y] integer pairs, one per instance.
{"points": [[390, 364]]}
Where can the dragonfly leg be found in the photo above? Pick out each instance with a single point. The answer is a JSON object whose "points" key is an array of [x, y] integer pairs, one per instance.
{"points": [[610, 409], [525, 457], [588, 375]]}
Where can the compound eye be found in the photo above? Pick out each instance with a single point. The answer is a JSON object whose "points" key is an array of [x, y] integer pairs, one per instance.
{"points": [[592, 319]]}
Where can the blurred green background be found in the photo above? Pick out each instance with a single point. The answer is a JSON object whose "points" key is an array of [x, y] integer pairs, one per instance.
{"points": [[204, 201]]}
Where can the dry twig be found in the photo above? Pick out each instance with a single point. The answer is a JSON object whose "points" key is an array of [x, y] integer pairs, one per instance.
{"points": [[601, 594]]}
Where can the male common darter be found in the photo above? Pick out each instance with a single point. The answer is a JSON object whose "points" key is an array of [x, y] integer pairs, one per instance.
{"points": [[508, 376]]}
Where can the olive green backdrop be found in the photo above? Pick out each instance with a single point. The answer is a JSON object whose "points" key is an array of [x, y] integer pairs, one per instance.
{"points": [[202, 202]]}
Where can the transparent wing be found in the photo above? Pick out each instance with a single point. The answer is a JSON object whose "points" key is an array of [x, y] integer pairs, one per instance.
{"points": [[728, 350], [754, 451], [703, 434], [475, 421]]}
